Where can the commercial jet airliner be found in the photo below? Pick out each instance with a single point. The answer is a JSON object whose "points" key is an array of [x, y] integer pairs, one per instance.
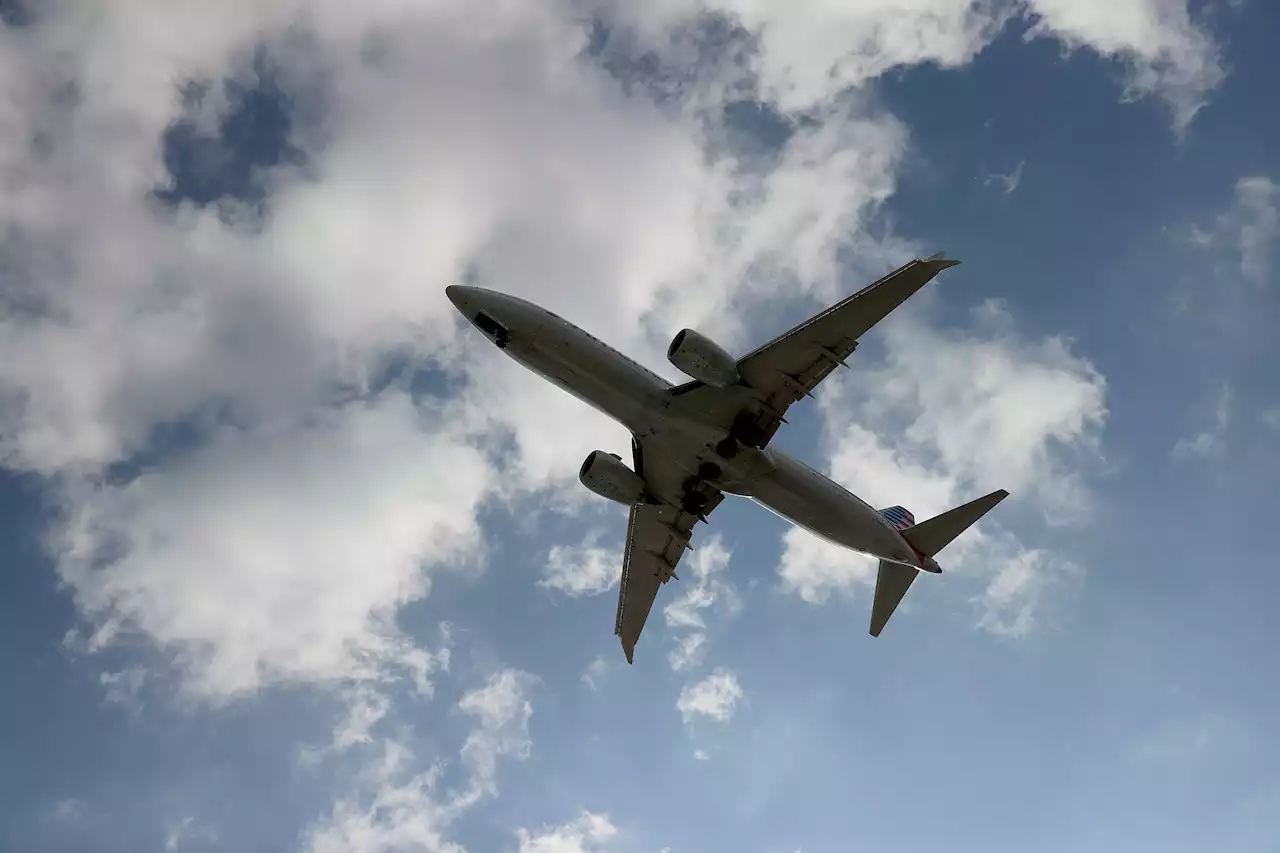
{"points": [[692, 444]]}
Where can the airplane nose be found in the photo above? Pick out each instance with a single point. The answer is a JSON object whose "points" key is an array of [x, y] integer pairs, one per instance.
{"points": [[457, 294]]}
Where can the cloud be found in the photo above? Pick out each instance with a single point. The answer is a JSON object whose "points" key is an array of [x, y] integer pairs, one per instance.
{"points": [[201, 384], [124, 686], [702, 589], [583, 569], [393, 805], [189, 834], [1249, 227], [595, 671], [1165, 53], [810, 54], [1209, 441], [396, 810], [714, 697], [279, 553], [502, 711], [72, 811], [1271, 417], [1008, 182], [946, 417], [588, 833]]}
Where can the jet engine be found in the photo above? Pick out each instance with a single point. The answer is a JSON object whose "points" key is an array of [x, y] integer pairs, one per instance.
{"points": [[698, 356], [609, 477]]}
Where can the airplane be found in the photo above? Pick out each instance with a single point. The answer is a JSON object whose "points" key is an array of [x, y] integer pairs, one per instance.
{"points": [[691, 444]]}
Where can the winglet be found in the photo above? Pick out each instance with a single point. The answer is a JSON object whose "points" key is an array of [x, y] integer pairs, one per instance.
{"points": [[940, 260]]}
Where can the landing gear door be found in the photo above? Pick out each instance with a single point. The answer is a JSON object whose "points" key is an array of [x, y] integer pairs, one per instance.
{"points": [[495, 331]]}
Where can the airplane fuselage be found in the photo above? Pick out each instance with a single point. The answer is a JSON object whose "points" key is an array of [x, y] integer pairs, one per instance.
{"points": [[605, 379]]}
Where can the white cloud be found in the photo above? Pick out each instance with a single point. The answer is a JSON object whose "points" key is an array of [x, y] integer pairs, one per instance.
{"points": [[812, 52], [282, 552], [715, 697], [945, 418], [394, 805], [583, 569], [502, 711], [595, 671], [688, 652], [1249, 228], [476, 138], [703, 588], [124, 686], [588, 833], [1008, 182], [1209, 441], [1166, 54], [1258, 216], [189, 834], [396, 810]]}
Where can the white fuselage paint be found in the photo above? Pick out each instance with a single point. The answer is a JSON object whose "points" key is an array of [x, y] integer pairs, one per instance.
{"points": [[636, 397]]}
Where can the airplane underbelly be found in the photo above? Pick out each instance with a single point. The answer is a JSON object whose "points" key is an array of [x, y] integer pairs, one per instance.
{"points": [[600, 379], [824, 508]]}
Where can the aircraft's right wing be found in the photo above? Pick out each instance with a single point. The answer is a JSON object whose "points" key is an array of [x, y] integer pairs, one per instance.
{"points": [[657, 536], [790, 366]]}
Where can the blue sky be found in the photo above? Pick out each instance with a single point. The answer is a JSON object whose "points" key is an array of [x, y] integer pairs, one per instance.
{"points": [[296, 562]]}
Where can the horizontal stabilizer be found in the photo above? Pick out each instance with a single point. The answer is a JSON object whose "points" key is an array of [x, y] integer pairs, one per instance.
{"points": [[892, 582], [930, 537]]}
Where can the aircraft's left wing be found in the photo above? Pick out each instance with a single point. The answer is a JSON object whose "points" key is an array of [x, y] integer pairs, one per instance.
{"points": [[657, 536], [790, 366]]}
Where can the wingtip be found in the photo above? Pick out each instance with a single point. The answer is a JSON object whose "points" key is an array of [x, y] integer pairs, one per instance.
{"points": [[941, 261]]}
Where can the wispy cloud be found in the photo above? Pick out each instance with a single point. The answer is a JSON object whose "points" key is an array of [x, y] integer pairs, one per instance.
{"points": [[1249, 228], [396, 803], [588, 833], [1210, 441], [189, 834], [704, 589], [1008, 182]]}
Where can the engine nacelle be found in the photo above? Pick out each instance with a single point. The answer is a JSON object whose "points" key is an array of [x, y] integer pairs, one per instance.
{"points": [[700, 357], [609, 477]]}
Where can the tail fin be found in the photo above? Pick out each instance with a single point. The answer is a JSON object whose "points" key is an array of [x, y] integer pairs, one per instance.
{"points": [[892, 582], [930, 537]]}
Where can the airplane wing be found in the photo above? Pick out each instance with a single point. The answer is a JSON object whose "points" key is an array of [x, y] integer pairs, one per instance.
{"points": [[790, 366], [657, 537]]}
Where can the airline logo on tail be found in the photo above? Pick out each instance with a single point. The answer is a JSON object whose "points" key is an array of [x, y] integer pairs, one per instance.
{"points": [[898, 517]]}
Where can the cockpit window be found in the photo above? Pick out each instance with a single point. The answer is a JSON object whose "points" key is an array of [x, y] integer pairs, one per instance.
{"points": [[493, 329]]}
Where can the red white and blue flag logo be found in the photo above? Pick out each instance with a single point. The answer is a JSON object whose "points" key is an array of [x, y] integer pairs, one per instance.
{"points": [[898, 517]]}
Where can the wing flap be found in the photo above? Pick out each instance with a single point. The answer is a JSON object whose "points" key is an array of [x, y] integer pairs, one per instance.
{"points": [[658, 534], [793, 364], [656, 540]]}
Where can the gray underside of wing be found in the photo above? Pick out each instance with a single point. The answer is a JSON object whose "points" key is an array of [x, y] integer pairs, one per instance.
{"points": [[791, 366], [658, 534]]}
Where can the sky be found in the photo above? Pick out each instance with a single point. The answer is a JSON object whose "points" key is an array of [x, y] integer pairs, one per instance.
{"points": [[293, 560]]}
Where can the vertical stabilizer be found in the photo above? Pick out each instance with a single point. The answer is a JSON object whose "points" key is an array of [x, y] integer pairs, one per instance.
{"points": [[892, 582], [927, 538]]}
